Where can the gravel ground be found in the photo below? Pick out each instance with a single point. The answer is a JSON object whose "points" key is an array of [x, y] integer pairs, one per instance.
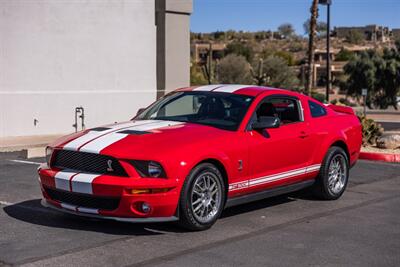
{"points": [[375, 149]]}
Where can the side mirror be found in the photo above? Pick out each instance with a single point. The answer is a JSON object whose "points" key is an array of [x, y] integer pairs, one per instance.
{"points": [[140, 110], [266, 122]]}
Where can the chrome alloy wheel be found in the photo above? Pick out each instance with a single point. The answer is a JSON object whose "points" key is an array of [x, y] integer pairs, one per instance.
{"points": [[337, 174], [206, 197]]}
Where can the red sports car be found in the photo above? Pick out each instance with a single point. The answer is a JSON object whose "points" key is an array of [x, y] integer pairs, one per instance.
{"points": [[198, 150]]}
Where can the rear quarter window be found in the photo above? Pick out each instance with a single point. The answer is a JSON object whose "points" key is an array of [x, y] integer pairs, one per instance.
{"points": [[316, 109]]}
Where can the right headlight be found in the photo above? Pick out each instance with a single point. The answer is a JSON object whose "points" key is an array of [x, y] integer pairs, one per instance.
{"points": [[49, 153], [149, 168]]}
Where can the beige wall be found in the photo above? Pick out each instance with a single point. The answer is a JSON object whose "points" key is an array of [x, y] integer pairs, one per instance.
{"points": [[57, 55], [177, 47]]}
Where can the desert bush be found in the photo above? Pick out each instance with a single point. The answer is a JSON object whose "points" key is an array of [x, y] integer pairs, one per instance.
{"points": [[371, 130], [234, 69]]}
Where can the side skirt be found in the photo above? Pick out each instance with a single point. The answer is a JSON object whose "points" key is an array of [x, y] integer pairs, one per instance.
{"points": [[267, 193]]}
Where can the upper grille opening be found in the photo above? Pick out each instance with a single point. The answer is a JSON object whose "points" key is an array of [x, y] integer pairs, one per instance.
{"points": [[87, 162]]}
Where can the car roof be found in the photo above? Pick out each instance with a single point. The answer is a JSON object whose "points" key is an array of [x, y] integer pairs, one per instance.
{"points": [[250, 90]]}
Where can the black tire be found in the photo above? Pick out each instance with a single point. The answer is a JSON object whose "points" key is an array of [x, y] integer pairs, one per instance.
{"points": [[322, 188], [189, 219]]}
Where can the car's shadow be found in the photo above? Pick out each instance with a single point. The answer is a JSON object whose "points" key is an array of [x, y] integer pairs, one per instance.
{"points": [[31, 211], [267, 202]]}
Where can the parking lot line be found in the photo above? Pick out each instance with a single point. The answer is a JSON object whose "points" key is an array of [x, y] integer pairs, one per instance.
{"points": [[5, 203], [25, 161]]}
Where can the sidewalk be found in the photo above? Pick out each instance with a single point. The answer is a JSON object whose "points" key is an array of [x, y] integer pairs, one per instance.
{"points": [[26, 146]]}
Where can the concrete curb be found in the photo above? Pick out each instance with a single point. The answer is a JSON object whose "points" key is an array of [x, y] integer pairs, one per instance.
{"points": [[393, 158], [26, 153]]}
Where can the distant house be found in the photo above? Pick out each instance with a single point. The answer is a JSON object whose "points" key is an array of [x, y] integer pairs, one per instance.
{"points": [[110, 57], [372, 32]]}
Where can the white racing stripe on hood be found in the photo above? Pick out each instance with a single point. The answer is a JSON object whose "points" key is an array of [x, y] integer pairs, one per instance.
{"points": [[78, 142], [100, 143]]}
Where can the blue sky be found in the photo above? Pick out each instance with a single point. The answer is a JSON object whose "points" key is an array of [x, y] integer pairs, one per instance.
{"points": [[253, 15]]}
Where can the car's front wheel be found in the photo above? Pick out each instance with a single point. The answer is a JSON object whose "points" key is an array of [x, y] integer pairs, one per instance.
{"points": [[333, 176], [202, 197]]}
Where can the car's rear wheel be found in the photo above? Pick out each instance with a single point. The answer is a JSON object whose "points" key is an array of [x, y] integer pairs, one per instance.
{"points": [[202, 197], [333, 176]]}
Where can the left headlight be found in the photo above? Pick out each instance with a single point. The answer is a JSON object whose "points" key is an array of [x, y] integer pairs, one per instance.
{"points": [[49, 153], [149, 168]]}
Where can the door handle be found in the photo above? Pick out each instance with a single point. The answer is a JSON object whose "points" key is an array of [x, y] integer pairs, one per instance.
{"points": [[303, 134]]}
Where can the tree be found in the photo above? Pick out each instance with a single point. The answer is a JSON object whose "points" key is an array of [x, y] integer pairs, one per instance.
{"points": [[218, 35], [354, 37], [278, 73], [234, 69], [321, 27], [274, 71], [397, 44], [240, 49], [379, 73], [286, 30], [344, 55], [313, 28], [196, 75]]}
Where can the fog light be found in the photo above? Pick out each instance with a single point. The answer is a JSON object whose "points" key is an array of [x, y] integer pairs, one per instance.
{"points": [[146, 207]]}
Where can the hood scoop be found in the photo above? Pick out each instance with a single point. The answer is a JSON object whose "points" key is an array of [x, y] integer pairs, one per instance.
{"points": [[99, 129], [134, 132]]}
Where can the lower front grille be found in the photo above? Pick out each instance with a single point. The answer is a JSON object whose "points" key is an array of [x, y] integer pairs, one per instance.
{"points": [[83, 200]]}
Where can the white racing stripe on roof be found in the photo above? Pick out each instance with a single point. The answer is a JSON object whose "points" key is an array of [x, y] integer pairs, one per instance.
{"points": [[231, 88], [102, 142], [207, 87]]}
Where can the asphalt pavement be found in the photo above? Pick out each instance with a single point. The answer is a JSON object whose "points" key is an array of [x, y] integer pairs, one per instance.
{"points": [[390, 126], [360, 229]]}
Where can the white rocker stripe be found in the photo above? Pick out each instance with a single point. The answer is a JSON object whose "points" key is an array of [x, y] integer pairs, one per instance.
{"points": [[273, 177], [230, 88], [82, 183], [207, 87], [102, 142], [62, 179]]}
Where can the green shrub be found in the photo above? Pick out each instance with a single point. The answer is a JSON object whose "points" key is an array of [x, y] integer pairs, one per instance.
{"points": [[318, 96], [346, 102], [371, 130]]}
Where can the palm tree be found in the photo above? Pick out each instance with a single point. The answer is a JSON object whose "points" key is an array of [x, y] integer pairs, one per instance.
{"points": [[313, 29]]}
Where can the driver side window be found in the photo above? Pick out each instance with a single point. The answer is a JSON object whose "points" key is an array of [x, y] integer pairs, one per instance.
{"points": [[286, 109]]}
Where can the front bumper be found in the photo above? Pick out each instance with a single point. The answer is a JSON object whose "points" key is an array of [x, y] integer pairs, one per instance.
{"points": [[47, 204], [163, 205]]}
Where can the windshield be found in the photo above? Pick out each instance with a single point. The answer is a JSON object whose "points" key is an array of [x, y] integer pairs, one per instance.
{"points": [[221, 110]]}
